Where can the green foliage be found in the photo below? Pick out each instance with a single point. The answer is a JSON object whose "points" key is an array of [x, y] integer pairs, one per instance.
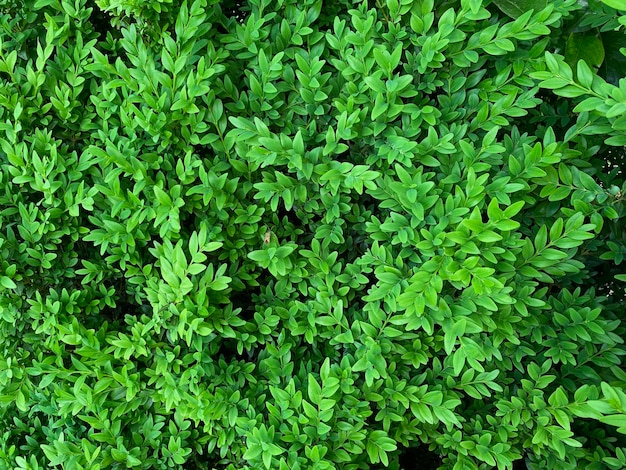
{"points": [[617, 4], [515, 9], [312, 235]]}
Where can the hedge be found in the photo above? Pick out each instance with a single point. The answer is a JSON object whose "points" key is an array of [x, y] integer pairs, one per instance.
{"points": [[312, 235]]}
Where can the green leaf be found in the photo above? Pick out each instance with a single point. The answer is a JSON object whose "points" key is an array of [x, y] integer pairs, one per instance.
{"points": [[493, 211], [457, 330], [162, 197], [516, 8], [39, 4], [583, 46], [617, 4], [166, 60], [513, 209], [616, 140], [557, 194], [489, 236], [429, 160], [20, 401], [382, 58], [380, 106], [614, 66], [375, 84], [220, 283], [541, 238], [618, 420], [7, 282], [212, 246], [458, 361], [584, 74], [315, 391], [196, 268], [253, 452]]}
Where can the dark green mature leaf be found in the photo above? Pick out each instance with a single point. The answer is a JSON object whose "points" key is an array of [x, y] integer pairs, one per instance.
{"points": [[516, 8], [584, 46], [614, 65]]}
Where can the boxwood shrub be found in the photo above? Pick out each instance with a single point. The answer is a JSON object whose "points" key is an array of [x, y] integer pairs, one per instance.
{"points": [[312, 234]]}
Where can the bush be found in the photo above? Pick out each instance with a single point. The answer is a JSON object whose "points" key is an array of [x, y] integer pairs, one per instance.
{"points": [[312, 235]]}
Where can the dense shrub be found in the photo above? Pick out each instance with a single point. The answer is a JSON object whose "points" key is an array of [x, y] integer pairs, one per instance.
{"points": [[312, 235]]}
